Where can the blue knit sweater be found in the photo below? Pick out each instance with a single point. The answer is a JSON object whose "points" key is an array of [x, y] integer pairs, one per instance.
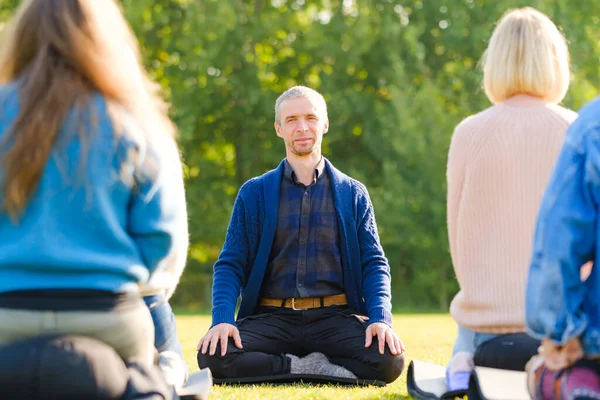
{"points": [[87, 226], [243, 260]]}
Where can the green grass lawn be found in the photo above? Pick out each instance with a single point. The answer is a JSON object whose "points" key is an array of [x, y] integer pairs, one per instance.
{"points": [[427, 337]]}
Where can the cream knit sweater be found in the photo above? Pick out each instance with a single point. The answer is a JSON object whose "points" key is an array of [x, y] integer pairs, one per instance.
{"points": [[499, 164]]}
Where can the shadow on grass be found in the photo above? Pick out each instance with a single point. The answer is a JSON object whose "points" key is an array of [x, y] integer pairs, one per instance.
{"points": [[388, 396], [309, 386]]}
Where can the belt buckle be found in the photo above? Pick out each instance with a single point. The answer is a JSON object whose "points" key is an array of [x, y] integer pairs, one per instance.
{"points": [[294, 305]]}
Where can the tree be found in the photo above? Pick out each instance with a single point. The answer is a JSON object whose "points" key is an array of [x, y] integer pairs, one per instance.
{"points": [[398, 76]]}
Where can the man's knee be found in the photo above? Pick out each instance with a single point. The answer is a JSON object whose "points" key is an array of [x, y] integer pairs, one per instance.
{"points": [[391, 367], [216, 364], [203, 360]]}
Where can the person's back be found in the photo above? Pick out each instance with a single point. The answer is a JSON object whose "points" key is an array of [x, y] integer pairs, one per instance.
{"points": [[92, 202], [505, 155], [499, 163], [76, 230]]}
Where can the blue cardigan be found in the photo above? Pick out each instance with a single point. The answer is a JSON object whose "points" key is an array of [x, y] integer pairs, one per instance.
{"points": [[243, 260]]}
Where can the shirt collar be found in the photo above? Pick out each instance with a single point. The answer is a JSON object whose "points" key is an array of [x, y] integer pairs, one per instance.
{"points": [[290, 175]]}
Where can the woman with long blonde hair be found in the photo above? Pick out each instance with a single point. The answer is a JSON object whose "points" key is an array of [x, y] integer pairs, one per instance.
{"points": [[92, 204]]}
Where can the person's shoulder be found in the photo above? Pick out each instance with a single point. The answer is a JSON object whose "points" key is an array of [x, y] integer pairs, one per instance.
{"points": [[587, 125], [565, 114], [590, 112], [116, 119], [357, 187], [253, 186], [475, 122], [107, 118]]}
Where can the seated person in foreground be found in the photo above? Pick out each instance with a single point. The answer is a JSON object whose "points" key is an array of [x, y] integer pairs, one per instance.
{"points": [[495, 187], [302, 249], [92, 201], [562, 309]]}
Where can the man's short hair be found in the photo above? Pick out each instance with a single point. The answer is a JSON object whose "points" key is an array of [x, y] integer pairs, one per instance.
{"points": [[306, 92]]}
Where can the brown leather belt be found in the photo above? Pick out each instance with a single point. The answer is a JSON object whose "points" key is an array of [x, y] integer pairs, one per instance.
{"points": [[306, 303]]}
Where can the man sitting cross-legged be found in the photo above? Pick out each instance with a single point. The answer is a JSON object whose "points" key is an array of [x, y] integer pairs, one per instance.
{"points": [[303, 251]]}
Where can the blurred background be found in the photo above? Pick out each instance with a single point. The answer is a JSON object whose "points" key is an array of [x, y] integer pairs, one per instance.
{"points": [[397, 76]]}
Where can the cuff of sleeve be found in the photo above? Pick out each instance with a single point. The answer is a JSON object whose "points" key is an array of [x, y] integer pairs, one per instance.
{"points": [[574, 328], [380, 314], [222, 315]]}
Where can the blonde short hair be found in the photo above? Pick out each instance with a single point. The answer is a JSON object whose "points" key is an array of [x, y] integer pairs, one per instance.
{"points": [[526, 55]]}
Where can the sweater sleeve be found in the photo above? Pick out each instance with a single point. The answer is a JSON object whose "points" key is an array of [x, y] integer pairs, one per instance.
{"points": [[455, 175], [229, 269], [375, 268], [158, 215]]}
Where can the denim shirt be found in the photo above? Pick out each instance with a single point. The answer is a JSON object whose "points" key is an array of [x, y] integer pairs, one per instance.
{"points": [[559, 305]]}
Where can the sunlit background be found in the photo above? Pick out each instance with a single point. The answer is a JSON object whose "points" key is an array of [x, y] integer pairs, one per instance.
{"points": [[397, 75]]}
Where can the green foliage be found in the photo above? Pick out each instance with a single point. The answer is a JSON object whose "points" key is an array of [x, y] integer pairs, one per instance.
{"points": [[398, 76]]}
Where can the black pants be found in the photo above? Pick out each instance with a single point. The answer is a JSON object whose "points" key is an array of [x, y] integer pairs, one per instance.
{"points": [[75, 367], [511, 351], [273, 332]]}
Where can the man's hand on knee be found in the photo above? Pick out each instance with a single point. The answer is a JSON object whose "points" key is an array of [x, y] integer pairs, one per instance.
{"points": [[385, 334], [219, 333]]}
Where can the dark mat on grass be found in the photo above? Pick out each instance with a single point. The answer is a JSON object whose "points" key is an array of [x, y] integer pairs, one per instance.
{"points": [[296, 378], [426, 381]]}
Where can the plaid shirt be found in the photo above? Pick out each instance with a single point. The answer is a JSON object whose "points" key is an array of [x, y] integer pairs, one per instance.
{"points": [[305, 258]]}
